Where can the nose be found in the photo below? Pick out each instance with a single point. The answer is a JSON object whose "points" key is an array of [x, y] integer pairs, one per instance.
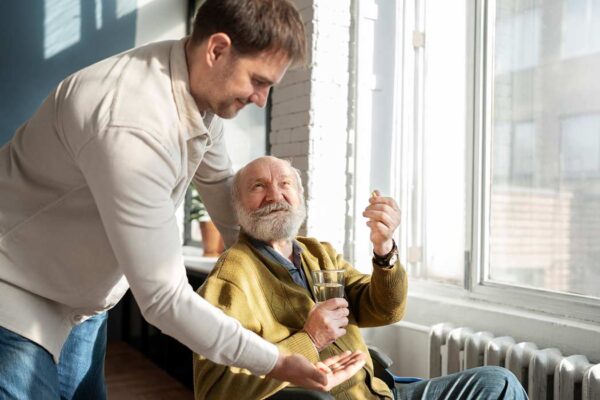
{"points": [[259, 97], [273, 194]]}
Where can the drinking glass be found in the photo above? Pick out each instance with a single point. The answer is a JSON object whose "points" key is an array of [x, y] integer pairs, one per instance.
{"points": [[328, 283]]}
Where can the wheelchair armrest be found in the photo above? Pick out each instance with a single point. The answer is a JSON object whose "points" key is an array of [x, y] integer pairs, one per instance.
{"points": [[381, 363], [380, 357], [406, 379], [294, 393]]}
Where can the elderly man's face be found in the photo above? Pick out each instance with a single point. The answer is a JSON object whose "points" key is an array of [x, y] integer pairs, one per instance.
{"points": [[270, 203]]}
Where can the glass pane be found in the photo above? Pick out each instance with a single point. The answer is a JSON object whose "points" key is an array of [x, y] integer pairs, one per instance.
{"points": [[383, 65], [444, 143], [545, 190], [246, 135]]}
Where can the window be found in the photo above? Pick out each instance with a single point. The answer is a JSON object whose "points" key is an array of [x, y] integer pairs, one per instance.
{"points": [[246, 138], [580, 146], [428, 126], [543, 214], [517, 31], [580, 28], [497, 148]]}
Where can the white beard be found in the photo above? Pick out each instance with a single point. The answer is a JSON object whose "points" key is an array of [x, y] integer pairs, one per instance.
{"points": [[275, 221]]}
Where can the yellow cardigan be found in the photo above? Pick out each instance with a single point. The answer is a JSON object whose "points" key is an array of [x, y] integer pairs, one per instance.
{"points": [[263, 297]]}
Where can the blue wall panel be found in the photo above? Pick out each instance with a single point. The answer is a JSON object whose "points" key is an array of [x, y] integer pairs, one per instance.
{"points": [[43, 41]]}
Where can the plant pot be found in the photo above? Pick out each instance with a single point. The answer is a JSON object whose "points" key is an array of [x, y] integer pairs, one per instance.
{"points": [[212, 242]]}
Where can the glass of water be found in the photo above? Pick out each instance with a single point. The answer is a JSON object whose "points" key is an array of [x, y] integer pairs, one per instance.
{"points": [[328, 284]]}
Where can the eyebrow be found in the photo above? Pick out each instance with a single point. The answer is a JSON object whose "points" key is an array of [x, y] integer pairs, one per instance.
{"points": [[262, 180]]}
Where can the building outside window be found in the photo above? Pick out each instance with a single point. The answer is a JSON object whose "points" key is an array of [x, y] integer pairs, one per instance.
{"points": [[543, 218]]}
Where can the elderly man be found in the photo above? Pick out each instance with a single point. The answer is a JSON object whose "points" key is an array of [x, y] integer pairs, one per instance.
{"points": [[265, 281]]}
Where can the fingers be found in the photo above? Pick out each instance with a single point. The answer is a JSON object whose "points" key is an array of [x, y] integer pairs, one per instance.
{"points": [[347, 360], [333, 304], [332, 361], [327, 321], [298, 370], [389, 221], [388, 206], [323, 375], [321, 366], [383, 209], [338, 318], [381, 200], [383, 218], [345, 367], [343, 360], [339, 312]]}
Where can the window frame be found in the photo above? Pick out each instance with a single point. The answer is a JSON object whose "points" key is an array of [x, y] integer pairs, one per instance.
{"points": [[564, 304], [476, 290]]}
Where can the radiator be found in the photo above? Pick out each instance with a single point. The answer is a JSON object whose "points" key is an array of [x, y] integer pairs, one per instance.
{"points": [[546, 374]]}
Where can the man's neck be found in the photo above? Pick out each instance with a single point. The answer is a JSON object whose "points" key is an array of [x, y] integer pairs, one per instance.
{"points": [[283, 247]]}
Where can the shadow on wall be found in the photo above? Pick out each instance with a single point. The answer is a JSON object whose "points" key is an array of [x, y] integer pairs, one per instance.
{"points": [[45, 41]]}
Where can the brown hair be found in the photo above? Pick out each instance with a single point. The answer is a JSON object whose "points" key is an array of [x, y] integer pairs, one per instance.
{"points": [[253, 26]]}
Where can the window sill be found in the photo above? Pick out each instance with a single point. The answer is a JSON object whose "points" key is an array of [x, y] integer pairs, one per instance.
{"points": [[195, 262]]}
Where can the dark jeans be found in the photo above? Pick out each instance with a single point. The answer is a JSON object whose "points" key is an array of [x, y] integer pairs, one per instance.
{"points": [[473, 384], [28, 371]]}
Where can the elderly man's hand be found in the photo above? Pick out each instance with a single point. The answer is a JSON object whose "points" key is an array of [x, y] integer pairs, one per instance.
{"points": [[323, 376], [327, 321], [384, 217]]}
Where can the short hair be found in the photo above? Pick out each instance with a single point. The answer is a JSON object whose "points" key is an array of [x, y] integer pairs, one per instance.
{"points": [[254, 26]]}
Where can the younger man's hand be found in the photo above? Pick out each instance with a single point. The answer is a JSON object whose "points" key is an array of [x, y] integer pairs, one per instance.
{"points": [[323, 376]]}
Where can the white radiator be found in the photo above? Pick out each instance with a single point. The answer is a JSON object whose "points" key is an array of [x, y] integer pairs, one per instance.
{"points": [[545, 373]]}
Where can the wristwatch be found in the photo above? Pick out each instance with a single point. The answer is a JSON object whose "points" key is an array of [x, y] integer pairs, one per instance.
{"points": [[389, 259]]}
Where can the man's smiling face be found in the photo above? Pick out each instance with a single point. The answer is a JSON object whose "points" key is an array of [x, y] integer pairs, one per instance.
{"points": [[270, 203]]}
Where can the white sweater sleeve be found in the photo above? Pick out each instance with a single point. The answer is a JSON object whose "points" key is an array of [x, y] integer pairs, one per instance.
{"points": [[131, 176]]}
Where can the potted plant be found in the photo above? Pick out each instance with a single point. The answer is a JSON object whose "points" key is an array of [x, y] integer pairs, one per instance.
{"points": [[212, 242]]}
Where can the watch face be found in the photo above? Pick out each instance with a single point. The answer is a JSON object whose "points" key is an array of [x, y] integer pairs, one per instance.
{"points": [[393, 259]]}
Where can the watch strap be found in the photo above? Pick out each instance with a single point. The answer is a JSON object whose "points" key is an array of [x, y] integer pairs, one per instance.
{"points": [[389, 259]]}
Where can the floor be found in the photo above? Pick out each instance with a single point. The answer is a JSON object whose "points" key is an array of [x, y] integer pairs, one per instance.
{"points": [[131, 376]]}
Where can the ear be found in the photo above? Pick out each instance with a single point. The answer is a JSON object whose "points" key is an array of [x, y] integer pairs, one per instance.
{"points": [[218, 46]]}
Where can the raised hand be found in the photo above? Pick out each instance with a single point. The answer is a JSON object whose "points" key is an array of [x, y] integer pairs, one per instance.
{"points": [[325, 375], [384, 217], [327, 321]]}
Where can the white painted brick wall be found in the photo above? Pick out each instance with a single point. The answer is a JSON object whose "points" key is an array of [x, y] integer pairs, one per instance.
{"points": [[309, 118]]}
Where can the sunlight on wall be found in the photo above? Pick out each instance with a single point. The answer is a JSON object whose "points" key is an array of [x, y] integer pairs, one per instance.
{"points": [[62, 25], [125, 7], [142, 3], [160, 20], [98, 14]]}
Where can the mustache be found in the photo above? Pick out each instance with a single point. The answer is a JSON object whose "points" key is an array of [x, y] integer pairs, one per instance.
{"points": [[270, 208]]}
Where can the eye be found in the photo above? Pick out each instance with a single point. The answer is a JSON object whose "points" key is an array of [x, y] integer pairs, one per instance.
{"points": [[259, 82]]}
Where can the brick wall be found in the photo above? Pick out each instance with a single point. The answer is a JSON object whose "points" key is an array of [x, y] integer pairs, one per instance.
{"points": [[309, 119]]}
